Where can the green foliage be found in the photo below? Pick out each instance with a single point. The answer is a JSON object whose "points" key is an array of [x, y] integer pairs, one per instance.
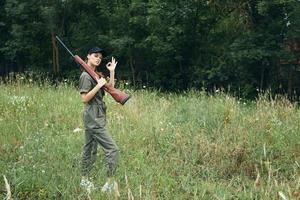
{"points": [[168, 45]]}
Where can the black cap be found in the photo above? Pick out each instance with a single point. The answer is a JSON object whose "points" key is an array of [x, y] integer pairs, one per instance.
{"points": [[96, 50]]}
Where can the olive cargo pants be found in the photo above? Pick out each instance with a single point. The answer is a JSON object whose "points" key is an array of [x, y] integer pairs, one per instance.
{"points": [[97, 133]]}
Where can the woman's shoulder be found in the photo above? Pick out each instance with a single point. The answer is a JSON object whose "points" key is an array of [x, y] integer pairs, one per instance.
{"points": [[84, 74]]}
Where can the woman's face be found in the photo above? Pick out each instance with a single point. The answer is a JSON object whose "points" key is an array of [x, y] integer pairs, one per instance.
{"points": [[94, 58]]}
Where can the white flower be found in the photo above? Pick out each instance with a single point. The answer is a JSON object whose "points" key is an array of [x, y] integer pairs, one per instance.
{"points": [[76, 130]]}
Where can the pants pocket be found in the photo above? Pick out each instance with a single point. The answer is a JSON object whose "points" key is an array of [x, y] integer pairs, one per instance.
{"points": [[101, 121]]}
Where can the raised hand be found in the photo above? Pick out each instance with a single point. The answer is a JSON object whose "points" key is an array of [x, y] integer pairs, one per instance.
{"points": [[111, 65]]}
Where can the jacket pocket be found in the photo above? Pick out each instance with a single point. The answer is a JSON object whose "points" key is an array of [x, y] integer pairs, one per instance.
{"points": [[101, 115], [88, 118], [94, 117]]}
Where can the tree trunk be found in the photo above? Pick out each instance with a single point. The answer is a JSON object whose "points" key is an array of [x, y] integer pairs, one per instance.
{"points": [[57, 57], [20, 64], [262, 79], [55, 61], [290, 82], [132, 69]]}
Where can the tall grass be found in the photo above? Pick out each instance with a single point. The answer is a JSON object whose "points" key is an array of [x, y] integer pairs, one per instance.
{"points": [[173, 146]]}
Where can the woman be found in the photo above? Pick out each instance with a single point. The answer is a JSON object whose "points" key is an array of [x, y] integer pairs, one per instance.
{"points": [[95, 122]]}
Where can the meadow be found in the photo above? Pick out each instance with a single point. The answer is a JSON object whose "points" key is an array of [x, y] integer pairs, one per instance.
{"points": [[191, 145]]}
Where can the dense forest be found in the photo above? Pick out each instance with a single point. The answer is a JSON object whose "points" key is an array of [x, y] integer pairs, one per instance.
{"points": [[244, 46]]}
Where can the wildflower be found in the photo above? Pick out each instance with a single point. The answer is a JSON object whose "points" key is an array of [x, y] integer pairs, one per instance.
{"points": [[76, 130]]}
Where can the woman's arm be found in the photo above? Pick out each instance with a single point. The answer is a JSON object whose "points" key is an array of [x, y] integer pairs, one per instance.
{"points": [[86, 97], [112, 77], [111, 67]]}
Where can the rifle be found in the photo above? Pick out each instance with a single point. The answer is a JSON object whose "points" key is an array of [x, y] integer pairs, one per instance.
{"points": [[118, 96]]}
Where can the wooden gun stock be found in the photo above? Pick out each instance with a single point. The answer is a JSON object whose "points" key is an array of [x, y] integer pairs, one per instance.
{"points": [[117, 95]]}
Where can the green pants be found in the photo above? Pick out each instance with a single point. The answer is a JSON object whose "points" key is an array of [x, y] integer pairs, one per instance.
{"points": [[97, 133]]}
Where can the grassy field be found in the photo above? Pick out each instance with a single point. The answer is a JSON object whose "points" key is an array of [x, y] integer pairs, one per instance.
{"points": [[188, 146]]}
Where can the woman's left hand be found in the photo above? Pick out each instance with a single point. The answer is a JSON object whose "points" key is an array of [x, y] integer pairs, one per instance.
{"points": [[111, 65]]}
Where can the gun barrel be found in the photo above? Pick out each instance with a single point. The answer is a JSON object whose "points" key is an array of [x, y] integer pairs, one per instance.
{"points": [[61, 42]]}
